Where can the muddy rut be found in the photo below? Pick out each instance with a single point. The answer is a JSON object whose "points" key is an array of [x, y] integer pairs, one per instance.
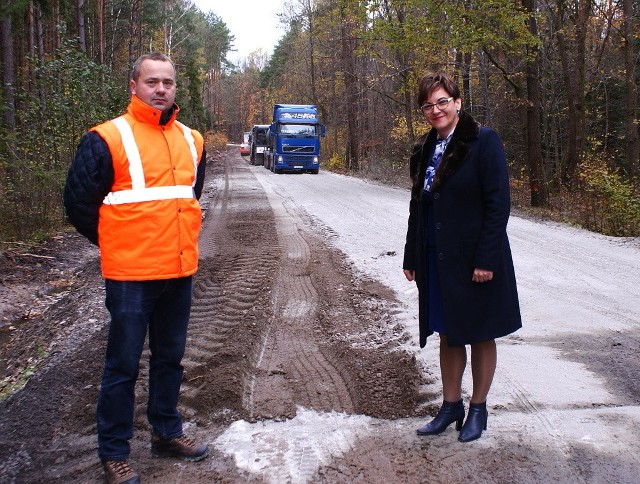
{"points": [[270, 299]]}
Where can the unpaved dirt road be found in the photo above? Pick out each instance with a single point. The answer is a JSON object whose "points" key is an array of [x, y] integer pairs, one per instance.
{"points": [[302, 362]]}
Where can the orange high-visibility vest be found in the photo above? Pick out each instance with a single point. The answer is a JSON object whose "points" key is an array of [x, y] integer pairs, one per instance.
{"points": [[149, 223]]}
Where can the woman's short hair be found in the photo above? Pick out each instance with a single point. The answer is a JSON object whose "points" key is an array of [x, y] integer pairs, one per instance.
{"points": [[431, 82]]}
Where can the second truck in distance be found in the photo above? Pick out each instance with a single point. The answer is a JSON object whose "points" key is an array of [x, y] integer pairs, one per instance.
{"points": [[258, 141]]}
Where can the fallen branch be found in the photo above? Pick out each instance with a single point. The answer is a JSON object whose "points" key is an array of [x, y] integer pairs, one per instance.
{"points": [[26, 254]]}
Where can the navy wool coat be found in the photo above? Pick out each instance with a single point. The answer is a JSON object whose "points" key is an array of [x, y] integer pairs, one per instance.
{"points": [[471, 204]]}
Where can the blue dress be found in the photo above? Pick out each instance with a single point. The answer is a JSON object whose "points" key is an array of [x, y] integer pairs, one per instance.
{"points": [[436, 316]]}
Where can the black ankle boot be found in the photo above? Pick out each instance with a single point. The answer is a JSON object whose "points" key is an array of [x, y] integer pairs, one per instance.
{"points": [[449, 412], [476, 422]]}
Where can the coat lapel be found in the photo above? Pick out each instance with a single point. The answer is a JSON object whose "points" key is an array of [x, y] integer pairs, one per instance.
{"points": [[457, 150]]}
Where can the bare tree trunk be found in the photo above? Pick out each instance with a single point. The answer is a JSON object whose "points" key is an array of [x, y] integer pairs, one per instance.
{"points": [[214, 102], [484, 112], [572, 56], [166, 42], [133, 31], [31, 41], [35, 46], [57, 38], [8, 79], [114, 15], [537, 182], [464, 63], [351, 91], [312, 51], [39, 33], [102, 40], [139, 30], [9, 111], [82, 39], [631, 106], [570, 160], [403, 63]]}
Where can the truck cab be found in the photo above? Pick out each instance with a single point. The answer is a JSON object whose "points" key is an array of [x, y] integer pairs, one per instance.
{"points": [[258, 141], [294, 139]]}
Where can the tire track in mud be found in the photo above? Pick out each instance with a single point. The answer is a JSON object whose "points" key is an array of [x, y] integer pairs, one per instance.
{"points": [[291, 361], [231, 294], [245, 252], [274, 314], [525, 405], [300, 356]]}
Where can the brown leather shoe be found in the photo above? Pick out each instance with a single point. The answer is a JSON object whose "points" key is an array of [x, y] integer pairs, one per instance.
{"points": [[181, 447], [119, 472]]}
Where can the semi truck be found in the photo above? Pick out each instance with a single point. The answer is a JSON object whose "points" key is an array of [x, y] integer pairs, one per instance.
{"points": [[257, 143], [294, 139]]}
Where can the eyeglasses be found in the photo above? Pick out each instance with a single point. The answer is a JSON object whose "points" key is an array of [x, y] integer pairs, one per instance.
{"points": [[441, 103]]}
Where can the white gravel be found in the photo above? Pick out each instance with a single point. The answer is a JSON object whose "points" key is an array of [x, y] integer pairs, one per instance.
{"points": [[571, 282]]}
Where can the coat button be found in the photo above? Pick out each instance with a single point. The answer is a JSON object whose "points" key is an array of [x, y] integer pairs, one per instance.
{"points": [[438, 225], [440, 256]]}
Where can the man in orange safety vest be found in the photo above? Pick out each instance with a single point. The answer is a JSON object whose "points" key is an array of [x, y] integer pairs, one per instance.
{"points": [[133, 190]]}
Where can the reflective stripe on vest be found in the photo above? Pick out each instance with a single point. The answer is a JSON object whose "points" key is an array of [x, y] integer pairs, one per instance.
{"points": [[149, 194], [192, 145], [139, 192]]}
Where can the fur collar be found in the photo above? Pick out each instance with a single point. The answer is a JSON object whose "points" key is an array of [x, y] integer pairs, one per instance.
{"points": [[457, 150]]}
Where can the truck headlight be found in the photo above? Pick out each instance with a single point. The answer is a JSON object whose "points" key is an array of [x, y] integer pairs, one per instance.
{"points": [[315, 160], [280, 159]]}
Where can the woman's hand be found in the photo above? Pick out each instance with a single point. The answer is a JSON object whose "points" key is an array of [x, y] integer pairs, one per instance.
{"points": [[410, 275], [480, 275]]}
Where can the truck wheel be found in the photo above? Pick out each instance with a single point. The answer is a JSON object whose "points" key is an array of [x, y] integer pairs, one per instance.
{"points": [[315, 172]]}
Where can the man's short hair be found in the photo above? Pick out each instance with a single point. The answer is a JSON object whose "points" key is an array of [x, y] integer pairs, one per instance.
{"points": [[135, 72]]}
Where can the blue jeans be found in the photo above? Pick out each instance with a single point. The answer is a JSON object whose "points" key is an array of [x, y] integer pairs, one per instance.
{"points": [[164, 307]]}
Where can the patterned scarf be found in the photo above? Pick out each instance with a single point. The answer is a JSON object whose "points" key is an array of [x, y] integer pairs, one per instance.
{"points": [[441, 145]]}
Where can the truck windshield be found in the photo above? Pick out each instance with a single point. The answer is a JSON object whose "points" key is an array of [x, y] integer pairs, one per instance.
{"points": [[261, 137], [298, 129]]}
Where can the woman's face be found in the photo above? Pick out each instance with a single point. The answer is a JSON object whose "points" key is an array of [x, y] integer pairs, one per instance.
{"points": [[442, 117]]}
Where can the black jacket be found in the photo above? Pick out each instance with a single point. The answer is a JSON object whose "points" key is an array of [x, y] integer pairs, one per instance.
{"points": [[471, 203]]}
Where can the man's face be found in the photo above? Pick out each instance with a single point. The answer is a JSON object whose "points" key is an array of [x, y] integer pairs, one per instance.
{"points": [[156, 84]]}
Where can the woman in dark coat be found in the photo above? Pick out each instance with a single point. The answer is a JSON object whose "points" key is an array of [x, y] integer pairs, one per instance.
{"points": [[457, 250]]}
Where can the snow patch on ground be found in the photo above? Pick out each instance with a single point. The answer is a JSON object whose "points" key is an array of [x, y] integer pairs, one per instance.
{"points": [[292, 451]]}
